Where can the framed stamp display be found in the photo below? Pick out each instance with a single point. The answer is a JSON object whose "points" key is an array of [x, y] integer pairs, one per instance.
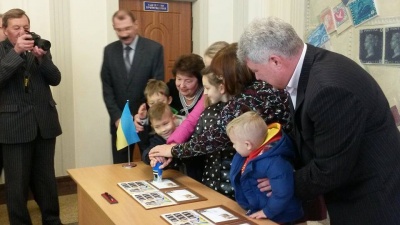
{"points": [[215, 215], [151, 194]]}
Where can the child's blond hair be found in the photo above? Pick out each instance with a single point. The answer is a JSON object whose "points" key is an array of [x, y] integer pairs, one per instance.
{"points": [[158, 110], [156, 86], [248, 126], [214, 48]]}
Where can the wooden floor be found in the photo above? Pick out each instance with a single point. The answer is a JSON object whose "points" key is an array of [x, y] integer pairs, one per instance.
{"points": [[65, 186], [68, 211]]}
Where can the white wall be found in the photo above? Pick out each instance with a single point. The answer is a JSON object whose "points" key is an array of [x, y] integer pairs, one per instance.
{"points": [[224, 20], [91, 23]]}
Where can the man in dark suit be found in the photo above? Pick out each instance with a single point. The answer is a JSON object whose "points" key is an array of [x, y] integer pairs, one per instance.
{"points": [[2, 38], [346, 137], [29, 121], [125, 72]]}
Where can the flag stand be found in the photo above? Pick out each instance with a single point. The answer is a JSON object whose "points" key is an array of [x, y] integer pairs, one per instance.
{"points": [[130, 164]]}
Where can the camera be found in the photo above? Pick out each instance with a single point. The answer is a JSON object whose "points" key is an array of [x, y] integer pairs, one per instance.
{"points": [[38, 41]]}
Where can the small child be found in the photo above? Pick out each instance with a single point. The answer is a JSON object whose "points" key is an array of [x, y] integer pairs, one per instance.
{"points": [[156, 91], [263, 152], [163, 122], [216, 164]]}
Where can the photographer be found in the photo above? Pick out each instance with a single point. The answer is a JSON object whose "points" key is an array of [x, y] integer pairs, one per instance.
{"points": [[29, 121]]}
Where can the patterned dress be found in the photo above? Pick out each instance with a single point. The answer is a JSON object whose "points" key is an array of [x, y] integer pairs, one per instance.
{"points": [[217, 164], [271, 104]]}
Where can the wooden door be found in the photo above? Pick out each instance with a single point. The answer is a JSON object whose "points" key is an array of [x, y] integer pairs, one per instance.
{"points": [[173, 29]]}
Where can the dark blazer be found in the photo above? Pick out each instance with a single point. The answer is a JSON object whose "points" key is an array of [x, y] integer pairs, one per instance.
{"points": [[347, 140], [118, 86], [24, 114]]}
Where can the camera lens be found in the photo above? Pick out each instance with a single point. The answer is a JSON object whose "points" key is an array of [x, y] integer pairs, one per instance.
{"points": [[44, 44]]}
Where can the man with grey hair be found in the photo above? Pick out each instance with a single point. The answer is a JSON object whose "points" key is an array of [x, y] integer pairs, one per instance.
{"points": [[29, 122], [347, 142]]}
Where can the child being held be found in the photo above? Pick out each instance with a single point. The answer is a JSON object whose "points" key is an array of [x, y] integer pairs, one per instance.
{"points": [[163, 122], [263, 152]]}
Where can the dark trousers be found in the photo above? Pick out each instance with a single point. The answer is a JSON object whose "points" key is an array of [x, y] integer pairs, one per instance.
{"points": [[1, 161], [31, 166]]}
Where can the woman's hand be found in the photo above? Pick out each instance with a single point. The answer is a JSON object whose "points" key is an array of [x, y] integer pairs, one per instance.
{"points": [[154, 160], [161, 150], [264, 186]]}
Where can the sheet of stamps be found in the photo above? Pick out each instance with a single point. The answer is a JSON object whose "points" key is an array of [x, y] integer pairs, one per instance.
{"points": [[166, 183], [218, 214], [182, 195], [187, 217], [136, 186], [214, 215], [145, 194], [341, 17], [362, 11], [392, 45], [371, 45], [152, 194], [154, 199], [318, 37], [326, 17]]}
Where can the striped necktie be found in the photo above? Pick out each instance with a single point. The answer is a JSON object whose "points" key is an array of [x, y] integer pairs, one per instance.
{"points": [[127, 58]]}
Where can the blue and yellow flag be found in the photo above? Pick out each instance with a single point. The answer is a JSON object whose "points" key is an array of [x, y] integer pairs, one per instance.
{"points": [[126, 132]]}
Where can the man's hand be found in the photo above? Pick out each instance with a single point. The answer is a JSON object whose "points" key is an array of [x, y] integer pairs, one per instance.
{"points": [[142, 111], [38, 53], [264, 186], [24, 43], [117, 123]]}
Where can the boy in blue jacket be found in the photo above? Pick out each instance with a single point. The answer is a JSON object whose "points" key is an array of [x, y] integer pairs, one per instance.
{"points": [[263, 151]]}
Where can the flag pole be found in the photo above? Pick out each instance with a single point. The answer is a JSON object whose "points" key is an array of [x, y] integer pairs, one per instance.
{"points": [[129, 164], [129, 133]]}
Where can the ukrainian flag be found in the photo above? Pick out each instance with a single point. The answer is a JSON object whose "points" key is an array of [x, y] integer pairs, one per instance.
{"points": [[126, 132]]}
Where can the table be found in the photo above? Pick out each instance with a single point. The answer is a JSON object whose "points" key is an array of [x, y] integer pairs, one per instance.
{"points": [[94, 209]]}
